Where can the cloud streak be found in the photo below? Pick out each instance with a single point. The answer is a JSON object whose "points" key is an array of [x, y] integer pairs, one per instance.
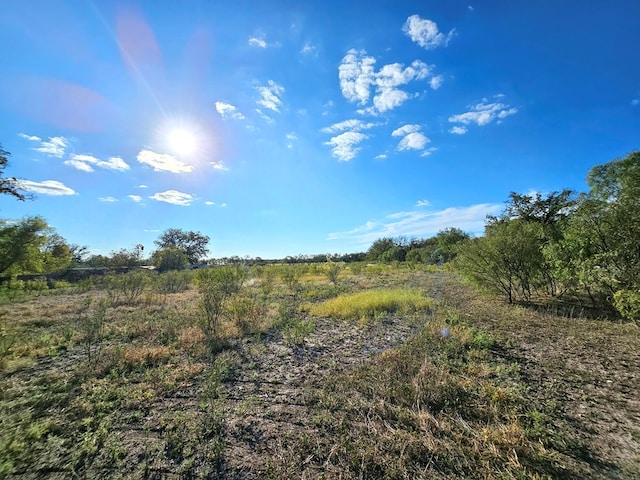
{"points": [[420, 223], [481, 114], [226, 110], [85, 162], [271, 96], [54, 147], [162, 162], [46, 187], [174, 197]]}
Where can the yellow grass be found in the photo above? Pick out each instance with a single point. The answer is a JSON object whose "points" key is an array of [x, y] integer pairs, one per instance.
{"points": [[371, 303]]}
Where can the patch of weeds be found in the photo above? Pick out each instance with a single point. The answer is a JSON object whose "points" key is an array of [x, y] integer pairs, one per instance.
{"points": [[92, 324]]}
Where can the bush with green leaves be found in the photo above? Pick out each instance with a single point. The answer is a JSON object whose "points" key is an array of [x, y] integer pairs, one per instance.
{"points": [[173, 282], [126, 288], [216, 286]]}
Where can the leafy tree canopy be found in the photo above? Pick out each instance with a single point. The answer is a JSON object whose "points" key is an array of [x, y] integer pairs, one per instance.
{"points": [[10, 186], [192, 244]]}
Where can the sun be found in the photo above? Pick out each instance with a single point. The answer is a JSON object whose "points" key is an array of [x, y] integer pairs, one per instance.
{"points": [[182, 141]]}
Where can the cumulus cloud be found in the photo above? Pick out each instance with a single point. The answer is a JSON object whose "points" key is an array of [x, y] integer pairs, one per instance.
{"points": [[353, 125], [344, 146], [226, 110], [420, 223], [108, 199], [257, 42], [162, 162], [174, 197], [425, 32], [458, 130], [483, 113], [271, 96], [405, 130], [135, 198], [54, 147], [46, 187], [436, 82], [85, 162], [413, 138], [356, 74], [358, 78]]}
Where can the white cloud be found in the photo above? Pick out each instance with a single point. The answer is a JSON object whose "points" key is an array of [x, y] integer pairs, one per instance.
{"points": [[163, 162], [483, 113], [226, 110], [257, 42], [353, 125], [356, 76], [271, 96], [308, 48], [135, 198], [46, 187], [414, 141], [436, 82], [84, 162], [382, 156], [428, 151], [344, 145], [54, 147], [209, 203], [458, 130], [425, 32], [423, 203], [219, 166], [108, 199], [143, 186], [420, 223], [174, 197], [291, 138], [388, 99], [32, 138], [405, 130]]}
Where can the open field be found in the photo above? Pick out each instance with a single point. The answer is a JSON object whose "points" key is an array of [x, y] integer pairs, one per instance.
{"points": [[390, 373]]}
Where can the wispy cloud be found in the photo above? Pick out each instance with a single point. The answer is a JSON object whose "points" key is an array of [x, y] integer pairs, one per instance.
{"points": [[162, 162], [46, 187], [635, 102], [308, 48], [143, 186], [458, 130], [425, 32], [174, 197], [85, 162], [219, 166], [135, 198], [54, 147], [226, 110], [358, 77], [344, 146], [108, 199], [291, 139], [271, 96], [353, 125], [483, 113], [259, 42], [423, 203], [420, 223]]}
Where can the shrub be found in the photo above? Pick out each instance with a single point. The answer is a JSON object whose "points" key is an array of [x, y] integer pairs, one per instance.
{"points": [[627, 302], [172, 282]]}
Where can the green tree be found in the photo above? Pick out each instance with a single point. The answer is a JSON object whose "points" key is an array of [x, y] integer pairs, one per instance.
{"points": [[169, 259], [379, 247], [193, 244], [10, 185], [31, 246]]}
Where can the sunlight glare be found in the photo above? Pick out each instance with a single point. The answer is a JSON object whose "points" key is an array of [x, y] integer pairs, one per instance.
{"points": [[182, 141]]}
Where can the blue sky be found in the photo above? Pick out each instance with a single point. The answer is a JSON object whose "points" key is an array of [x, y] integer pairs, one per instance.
{"points": [[296, 127]]}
